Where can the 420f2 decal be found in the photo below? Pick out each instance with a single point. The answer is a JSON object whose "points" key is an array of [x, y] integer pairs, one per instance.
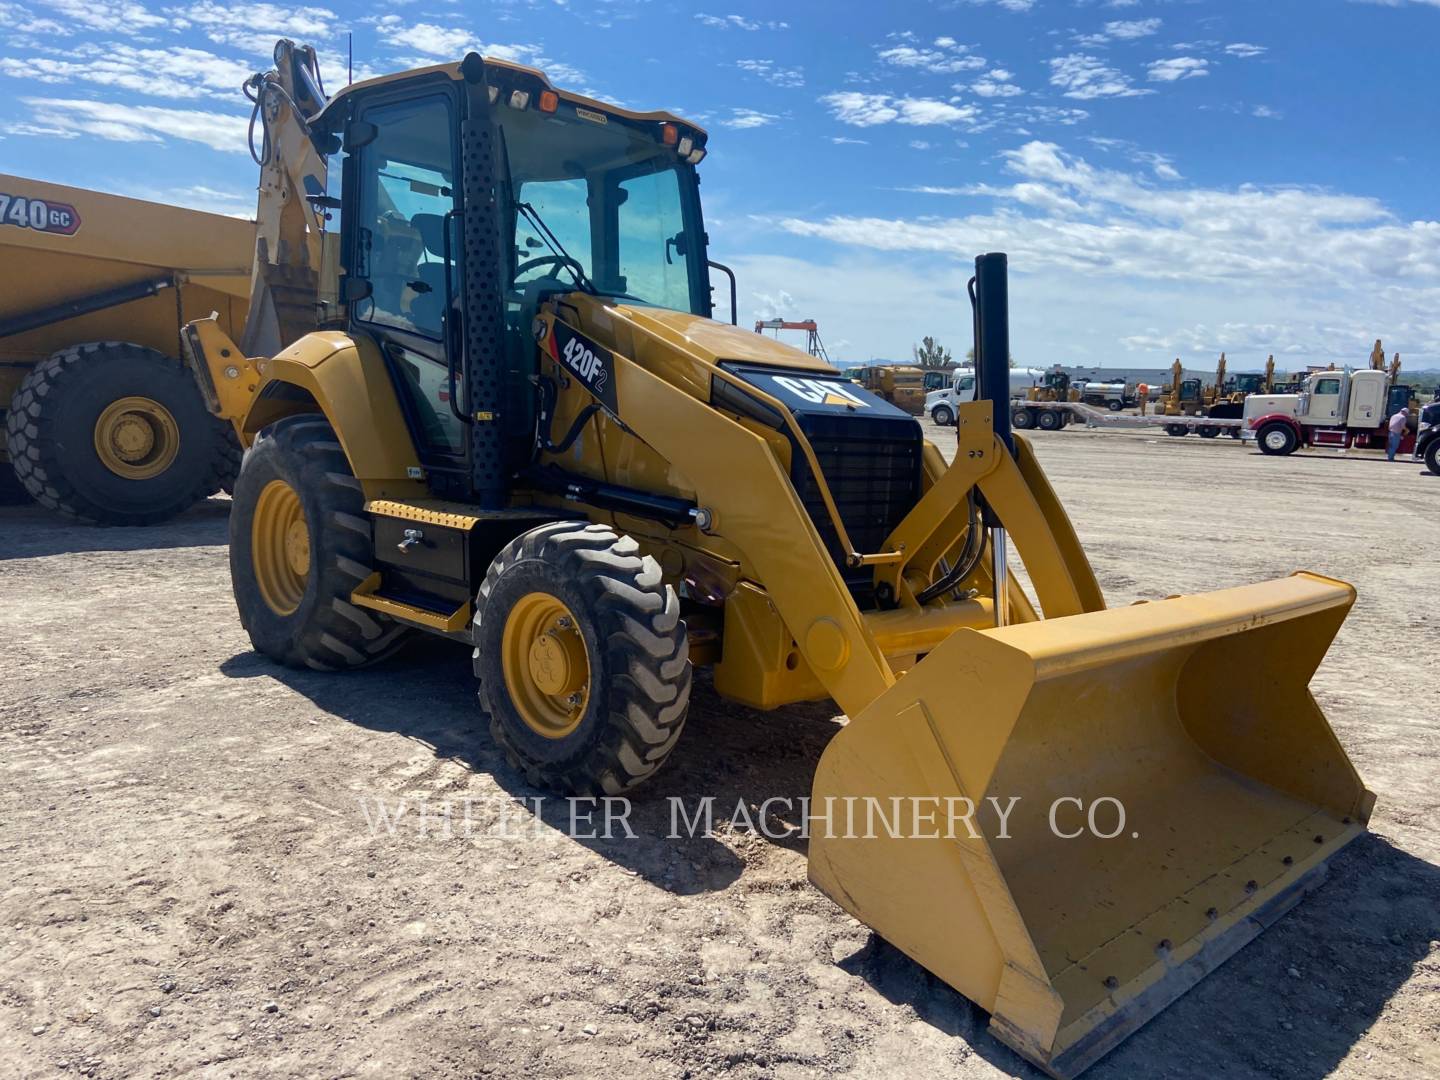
{"points": [[38, 215], [591, 363]]}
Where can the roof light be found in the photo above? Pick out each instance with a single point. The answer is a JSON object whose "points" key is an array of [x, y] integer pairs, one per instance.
{"points": [[669, 134], [686, 145], [549, 101], [519, 99], [696, 156]]}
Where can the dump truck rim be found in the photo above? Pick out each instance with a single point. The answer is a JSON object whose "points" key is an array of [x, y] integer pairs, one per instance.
{"points": [[546, 664], [137, 438], [281, 547]]}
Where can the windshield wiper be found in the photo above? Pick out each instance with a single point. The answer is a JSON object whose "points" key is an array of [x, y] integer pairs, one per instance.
{"points": [[583, 283]]}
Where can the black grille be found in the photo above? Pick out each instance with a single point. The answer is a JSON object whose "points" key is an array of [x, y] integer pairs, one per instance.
{"points": [[874, 477]]}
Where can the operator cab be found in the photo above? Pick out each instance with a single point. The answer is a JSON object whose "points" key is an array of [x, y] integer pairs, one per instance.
{"points": [[468, 192]]}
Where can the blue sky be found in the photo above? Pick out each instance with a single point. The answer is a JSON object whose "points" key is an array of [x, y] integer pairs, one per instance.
{"points": [[1170, 177]]}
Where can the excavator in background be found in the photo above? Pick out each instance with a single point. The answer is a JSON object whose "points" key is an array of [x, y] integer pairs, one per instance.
{"points": [[515, 432]]}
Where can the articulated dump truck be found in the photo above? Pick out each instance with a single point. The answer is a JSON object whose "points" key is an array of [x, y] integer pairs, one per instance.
{"points": [[523, 431], [102, 421]]}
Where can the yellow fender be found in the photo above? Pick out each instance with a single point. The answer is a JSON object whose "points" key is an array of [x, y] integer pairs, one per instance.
{"points": [[344, 377]]}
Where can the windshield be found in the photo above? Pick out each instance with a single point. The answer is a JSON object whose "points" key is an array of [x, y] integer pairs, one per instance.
{"points": [[619, 204]]}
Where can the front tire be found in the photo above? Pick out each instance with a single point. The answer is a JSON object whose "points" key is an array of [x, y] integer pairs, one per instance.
{"points": [[1432, 456], [1277, 439], [299, 546], [942, 415], [582, 658], [112, 433]]}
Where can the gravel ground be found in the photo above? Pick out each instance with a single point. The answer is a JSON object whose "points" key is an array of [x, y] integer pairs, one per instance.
{"points": [[196, 882]]}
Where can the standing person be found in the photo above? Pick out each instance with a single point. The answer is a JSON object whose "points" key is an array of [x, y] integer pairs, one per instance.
{"points": [[1398, 423]]}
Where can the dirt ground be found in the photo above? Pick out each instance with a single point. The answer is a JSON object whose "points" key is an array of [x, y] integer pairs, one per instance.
{"points": [[190, 885]]}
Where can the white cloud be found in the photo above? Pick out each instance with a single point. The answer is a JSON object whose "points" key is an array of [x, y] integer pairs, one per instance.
{"points": [[845, 140], [1107, 263], [1244, 50], [1265, 112], [739, 22], [868, 110], [173, 72], [749, 118], [117, 16], [773, 73], [1017, 6], [1179, 67], [1121, 30], [135, 123], [252, 27], [1086, 77], [946, 57], [996, 83]]}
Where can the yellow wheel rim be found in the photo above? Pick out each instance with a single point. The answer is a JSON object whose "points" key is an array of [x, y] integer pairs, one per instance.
{"points": [[137, 438], [280, 547], [547, 666]]}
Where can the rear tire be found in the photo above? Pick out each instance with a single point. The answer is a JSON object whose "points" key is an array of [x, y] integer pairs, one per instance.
{"points": [[1050, 420], [942, 415], [1114, 406], [112, 433], [1021, 420], [1209, 432], [1277, 439], [1179, 431], [603, 716], [231, 453], [293, 574]]}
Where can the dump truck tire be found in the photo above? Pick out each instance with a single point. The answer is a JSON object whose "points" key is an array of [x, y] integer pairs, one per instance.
{"points": [[299, 546], [12, 492], [582, 658], [112, 433], [231, 453]]}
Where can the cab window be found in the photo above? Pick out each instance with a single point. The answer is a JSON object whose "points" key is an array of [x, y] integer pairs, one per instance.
{"points": [[406, 189], [1327, 386]]}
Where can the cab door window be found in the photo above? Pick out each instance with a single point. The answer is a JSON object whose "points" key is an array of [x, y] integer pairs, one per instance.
{"points": [[407, 178]]}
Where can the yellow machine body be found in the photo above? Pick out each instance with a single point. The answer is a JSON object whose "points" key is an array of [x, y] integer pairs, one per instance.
{"points": [[1192, 714]]}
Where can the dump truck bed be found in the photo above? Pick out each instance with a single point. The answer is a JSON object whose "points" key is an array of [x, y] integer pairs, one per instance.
{"points": [[66, 244]]}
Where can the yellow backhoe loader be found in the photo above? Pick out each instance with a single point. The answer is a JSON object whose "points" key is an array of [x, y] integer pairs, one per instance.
{"points": [[520, 429]]}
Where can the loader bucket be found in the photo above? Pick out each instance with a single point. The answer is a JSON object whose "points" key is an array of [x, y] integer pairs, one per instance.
{"points": [[1192, 713]]}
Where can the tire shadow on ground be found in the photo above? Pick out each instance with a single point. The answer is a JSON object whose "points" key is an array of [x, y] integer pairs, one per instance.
{"points": [[730, 764], [31, 531]]}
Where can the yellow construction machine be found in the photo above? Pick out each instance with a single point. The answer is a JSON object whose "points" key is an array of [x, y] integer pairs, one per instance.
{"points": [[101, 420], [520, 429]]}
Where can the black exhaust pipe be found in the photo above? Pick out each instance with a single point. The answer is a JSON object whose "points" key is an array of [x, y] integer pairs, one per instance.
{"points": [[991, 300]]}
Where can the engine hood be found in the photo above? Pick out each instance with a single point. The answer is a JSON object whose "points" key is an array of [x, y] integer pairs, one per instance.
{"points": [[713, 341]]}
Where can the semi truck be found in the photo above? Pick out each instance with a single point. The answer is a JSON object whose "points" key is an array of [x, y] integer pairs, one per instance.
{"points": [[942, 405], [102, 422], [1342, 409]]}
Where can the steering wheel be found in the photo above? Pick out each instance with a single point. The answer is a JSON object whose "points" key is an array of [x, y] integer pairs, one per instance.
{"points": [[558, 260]]}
